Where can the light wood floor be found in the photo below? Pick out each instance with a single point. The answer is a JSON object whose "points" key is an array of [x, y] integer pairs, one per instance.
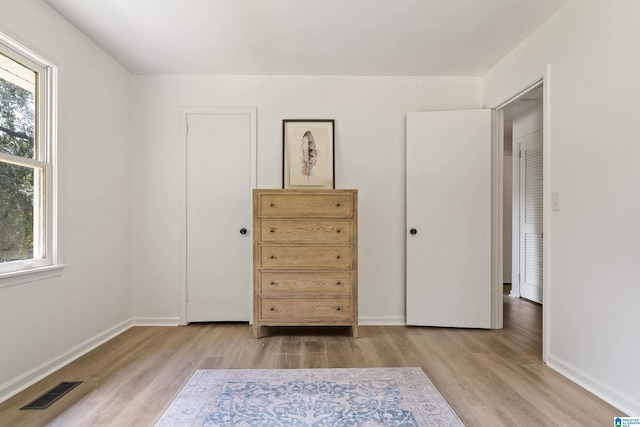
{"points": [[490, 378]]}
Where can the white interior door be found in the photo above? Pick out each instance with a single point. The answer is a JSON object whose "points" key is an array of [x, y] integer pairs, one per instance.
{"points": [[449, 209], [218, 242], [531, 216]]}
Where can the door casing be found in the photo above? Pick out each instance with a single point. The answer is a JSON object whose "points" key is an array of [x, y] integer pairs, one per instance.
{"points": [[497, 198]]}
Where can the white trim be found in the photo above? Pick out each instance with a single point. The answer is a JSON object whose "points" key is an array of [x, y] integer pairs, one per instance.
{"points": [[31, 275], [182, 220], [546, 214], [382, 321], [525, 89], [48, 128], [252, 112], [16, 43], [23, 161], [625, 403], [497, 220], [16, 385], [155, 321]]}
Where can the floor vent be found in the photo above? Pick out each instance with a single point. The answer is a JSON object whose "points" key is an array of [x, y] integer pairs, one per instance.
{"points": [[47, 399]]}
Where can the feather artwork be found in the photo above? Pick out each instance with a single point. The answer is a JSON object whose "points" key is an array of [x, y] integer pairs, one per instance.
{"points": [[309, 154]]}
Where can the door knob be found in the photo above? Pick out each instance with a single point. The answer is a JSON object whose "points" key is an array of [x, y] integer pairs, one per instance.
{"points": [[243, 230], [413, 231]]}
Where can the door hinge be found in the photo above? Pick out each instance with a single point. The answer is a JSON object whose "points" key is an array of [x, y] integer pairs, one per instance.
{"points": [[187, 127], [187, 297]]}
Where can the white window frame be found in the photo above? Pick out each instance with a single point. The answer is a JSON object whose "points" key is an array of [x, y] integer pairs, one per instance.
{"points": [[47, 263]]}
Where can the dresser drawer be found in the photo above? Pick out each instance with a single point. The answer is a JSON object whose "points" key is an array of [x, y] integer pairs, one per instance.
{"points": [[306, 256], [300, 311], [312, 284], [319, 231], [292, 205]]}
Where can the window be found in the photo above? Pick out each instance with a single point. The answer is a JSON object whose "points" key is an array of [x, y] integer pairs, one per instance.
{"points": [[27, 161]]}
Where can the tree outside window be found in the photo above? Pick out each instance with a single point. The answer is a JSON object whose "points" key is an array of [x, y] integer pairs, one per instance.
{"points": [[17, 138]]}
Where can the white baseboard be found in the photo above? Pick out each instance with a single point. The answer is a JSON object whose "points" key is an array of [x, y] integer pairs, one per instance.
{"points": [[155, 321], [625, 403], [382, 321], [16, 385]]}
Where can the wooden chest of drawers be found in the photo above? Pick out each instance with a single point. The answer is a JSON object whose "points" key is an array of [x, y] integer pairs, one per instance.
{"points": [[305, 258]]}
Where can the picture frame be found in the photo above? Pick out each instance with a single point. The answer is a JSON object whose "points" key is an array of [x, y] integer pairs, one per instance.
{"points": [[308, 159]]}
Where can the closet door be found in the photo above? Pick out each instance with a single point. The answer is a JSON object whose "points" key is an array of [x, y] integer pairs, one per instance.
{"points": [[218, 242], [531, 235], [449, 218]]}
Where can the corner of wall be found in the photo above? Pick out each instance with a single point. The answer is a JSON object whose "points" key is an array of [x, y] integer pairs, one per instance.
{"points": [[16, 385], [623, 402]]}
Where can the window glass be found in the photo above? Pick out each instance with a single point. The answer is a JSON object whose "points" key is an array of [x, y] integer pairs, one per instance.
{"points": [[17, 109], [16, 212]]}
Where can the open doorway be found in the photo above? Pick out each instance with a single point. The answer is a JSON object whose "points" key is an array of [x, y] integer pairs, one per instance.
{"points": [[507, 150], [523, 196]]}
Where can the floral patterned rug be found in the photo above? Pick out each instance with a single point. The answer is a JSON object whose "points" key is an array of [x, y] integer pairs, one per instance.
{"points": [[310, 397]]}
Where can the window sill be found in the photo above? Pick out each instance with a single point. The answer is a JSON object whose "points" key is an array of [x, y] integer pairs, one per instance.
{"points": [[31, 275]]}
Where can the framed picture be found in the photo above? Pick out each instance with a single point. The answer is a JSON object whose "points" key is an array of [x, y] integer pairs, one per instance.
{"points": [[307, 154]]}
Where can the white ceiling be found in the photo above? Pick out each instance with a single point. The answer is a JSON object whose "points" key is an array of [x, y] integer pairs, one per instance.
{"points": [[308, 37]]}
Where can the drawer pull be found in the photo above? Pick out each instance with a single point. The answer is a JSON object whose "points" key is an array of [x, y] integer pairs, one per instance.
{"points": [[272, 283], [272, 257], [338, 205], [338, 257], [338, 230], [272, 205], [273, 230], [338, 308], [273, 309], [339, 283]]}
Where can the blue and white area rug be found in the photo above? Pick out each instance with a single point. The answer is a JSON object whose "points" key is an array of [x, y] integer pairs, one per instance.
{"points": [[310, 397]]}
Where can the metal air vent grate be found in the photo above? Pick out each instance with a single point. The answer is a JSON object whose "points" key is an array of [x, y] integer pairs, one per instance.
{"points": [[47, 399]]}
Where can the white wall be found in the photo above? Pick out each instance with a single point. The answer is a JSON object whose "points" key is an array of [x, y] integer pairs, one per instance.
{"points": [[369, 151], [47, 321], [594, 264]]}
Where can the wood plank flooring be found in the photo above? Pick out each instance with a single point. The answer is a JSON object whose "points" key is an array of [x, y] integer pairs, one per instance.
{"points": [[490, 378]]}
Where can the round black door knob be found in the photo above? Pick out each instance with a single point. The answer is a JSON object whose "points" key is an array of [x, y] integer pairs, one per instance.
{"points": [[243, 231], [413, 231]]}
